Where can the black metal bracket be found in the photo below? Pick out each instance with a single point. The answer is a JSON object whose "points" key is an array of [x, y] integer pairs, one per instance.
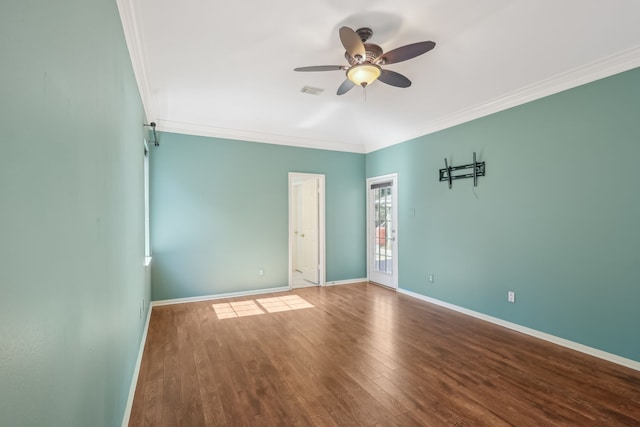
{"points": [[152, 125], [478, 169]]}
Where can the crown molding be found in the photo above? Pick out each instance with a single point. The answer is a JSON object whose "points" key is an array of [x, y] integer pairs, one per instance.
{"points": [[251, 136], [614, 64], [135, 45], [611, 65]]}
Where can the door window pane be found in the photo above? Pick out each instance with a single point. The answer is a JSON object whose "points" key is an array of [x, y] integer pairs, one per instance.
{"points": [[383, 222]]}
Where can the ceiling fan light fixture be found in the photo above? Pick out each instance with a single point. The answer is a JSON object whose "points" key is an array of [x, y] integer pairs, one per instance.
{"points": [[363, 74], [365, 60]]}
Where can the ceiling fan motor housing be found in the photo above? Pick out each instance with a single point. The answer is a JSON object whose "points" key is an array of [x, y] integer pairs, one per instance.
{"points": [[364, 33], [372, 52]]}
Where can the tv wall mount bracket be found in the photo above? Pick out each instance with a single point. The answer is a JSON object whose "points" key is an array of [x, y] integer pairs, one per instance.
{"points": [[477, 169]]}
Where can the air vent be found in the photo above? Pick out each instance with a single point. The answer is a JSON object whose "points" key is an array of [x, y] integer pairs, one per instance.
{"points": [[311, 90]]}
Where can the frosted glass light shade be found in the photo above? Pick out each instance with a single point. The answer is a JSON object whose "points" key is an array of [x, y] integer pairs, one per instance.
{"points": [[363, 74]]}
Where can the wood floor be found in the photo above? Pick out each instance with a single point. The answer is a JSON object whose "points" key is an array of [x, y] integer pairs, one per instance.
{"points": [[365, 356]]}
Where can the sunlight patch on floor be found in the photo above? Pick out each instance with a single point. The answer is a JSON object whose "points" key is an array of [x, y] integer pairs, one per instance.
{"points": [[228, 310], [285, 303]]}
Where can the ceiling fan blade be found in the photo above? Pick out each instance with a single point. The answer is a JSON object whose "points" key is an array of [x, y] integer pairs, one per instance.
{"points": [[345, 87], [352, 43], [321, 68], [394, 79], [405, 52]]}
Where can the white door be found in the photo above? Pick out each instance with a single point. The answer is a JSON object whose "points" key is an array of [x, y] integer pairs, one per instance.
{"points": [[306, 230], [297, 221], [309, 231], [382, 230]]}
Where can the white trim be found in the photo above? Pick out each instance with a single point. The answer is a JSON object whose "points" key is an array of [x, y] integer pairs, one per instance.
{"points": [[147, 229], [256, 136], [321, 224], [346, 282], [218, 296], [605, 67], [610, 357], [305, 285], [136, 371], [393, 177], [135, 44], [609, 66]]}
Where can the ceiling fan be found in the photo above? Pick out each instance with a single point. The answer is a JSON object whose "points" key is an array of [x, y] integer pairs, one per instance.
{"points": [[365, 60]]}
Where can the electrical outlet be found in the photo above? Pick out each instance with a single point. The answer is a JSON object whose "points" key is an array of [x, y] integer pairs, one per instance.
{"points": [[431, 278], [261, 272], [511, 296]]}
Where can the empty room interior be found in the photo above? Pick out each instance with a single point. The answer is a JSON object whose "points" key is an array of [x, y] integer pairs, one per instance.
{"points": [[329, 213]]}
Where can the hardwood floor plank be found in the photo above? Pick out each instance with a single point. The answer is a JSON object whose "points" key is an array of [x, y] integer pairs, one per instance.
{"points": [[417, 405], [318, 415], [212, 409], [152, 404], [369, 386], [188, 333], [366, 356]]}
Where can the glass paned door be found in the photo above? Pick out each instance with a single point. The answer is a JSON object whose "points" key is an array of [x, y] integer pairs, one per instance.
{"points": [[382, 230]]}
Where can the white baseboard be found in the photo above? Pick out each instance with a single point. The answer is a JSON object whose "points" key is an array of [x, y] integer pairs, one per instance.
{"points": [[136, 372], [345, 282], [247, 293], [218, 296], [610, 357], [304, 286]]}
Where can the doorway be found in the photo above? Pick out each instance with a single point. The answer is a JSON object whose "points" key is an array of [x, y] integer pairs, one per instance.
{"points": [[306, 230], [382, 230]]}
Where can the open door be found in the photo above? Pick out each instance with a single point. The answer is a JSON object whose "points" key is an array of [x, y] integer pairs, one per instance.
{"points": [[306, 230], [309, 262]]}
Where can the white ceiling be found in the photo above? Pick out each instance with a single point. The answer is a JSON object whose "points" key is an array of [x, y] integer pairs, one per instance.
{"points": [[225, 69]]}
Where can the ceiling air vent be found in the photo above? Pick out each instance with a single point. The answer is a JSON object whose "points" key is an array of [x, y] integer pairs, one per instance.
{"points": [[311, 90]]}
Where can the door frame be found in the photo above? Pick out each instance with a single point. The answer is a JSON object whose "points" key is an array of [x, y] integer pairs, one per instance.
{"points": [[293, 178], [370, 240]]}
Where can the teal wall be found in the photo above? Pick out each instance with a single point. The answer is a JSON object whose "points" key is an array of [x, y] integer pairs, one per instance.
{"points": [[71, 214], [556, 219], [219, 213]]}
